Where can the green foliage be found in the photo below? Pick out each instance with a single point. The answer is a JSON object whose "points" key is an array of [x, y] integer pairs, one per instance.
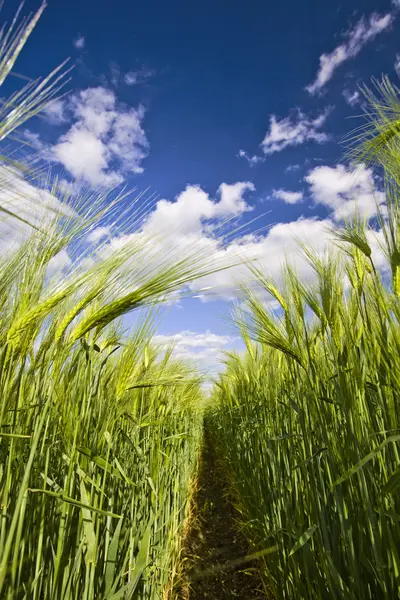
{"points": [[309, 418], [99, 433]]}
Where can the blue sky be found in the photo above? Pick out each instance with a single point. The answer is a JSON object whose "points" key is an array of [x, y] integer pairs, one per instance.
{"points": [[203, 94]]}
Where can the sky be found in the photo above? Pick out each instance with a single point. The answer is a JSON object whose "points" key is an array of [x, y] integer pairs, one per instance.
{"points": [[222, 110]]}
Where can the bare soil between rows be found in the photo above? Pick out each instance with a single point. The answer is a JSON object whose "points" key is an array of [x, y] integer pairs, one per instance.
{"points": [[213, 556]]}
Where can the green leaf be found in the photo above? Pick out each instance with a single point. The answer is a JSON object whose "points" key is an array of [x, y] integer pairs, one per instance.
{"points": [[127, 591], [15, 435], [307, 460], [393, 482], [111, 559], [100, 462], [69, 500], [88, 526], [303, 539], [367, 458], [124, 475]]}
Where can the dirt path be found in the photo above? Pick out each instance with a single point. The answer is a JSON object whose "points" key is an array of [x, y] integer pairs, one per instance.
{"points": [[214, 549]]}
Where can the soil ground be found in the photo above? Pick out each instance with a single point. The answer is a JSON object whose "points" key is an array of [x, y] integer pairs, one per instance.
{"points": [[214, 549]]}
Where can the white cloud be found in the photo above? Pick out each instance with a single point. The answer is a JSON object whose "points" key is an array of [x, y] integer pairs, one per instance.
{"points": [[105, 141], [115, 74], [182, 227], [339, 188], [36, 206], [189, 340], [85, 155], [186, 215], [186, 227], [291, 168], [98, 233], [292, 131], [58, 262], [137, 77], [397, 64], [352, 98], [354, 40], [79, 42], [288, 197], [269, 252], [344, 190], [33, 139], [204, 349], [252, 160], [54, 111]]}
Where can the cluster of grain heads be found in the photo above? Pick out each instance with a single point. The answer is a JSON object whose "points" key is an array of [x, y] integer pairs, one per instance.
{"points": [[99, 432], [95, 465], [309, 417]]}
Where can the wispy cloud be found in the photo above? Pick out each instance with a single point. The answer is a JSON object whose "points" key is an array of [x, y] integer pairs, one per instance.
{"points": [[137, 77], [352, 98], [130, 78], [252, 160], [397, 63], [355, 39], [291, 168], [54, 112], [79, 42], [33, 140], [292, 131], [288, 197]]}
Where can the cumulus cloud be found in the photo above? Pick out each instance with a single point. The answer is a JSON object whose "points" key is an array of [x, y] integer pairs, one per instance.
{"points": [[204, 349], [192, 207], [105, 141], [292, 131], [352, 98], [79, 42], [288, 197], [269, 252], [355, 39], [344, 190], [186, 343], [341, 189], [187, 226], [183, 225]]}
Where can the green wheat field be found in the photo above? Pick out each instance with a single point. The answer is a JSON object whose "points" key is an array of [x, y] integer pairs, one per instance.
{"points": [[101, 431]]}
